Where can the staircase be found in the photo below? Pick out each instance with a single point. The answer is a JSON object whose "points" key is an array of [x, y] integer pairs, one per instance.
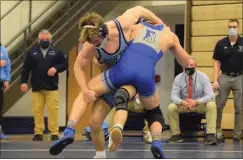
{"points": [[63, 24]]}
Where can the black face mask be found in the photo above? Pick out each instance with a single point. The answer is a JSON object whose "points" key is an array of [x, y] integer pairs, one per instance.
{"points": [[190, 71], [45, 44]]}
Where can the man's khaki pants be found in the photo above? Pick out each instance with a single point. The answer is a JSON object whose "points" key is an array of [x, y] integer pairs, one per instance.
{"points": [[39, 100], [209, 109], [131, 108]]}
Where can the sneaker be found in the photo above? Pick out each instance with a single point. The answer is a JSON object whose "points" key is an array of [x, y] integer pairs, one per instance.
{"points": [[38, 137], [220, 136], [157, 150], [66, 139], [3, 136], [147, 137], [99, 157], [54, 137], [210, 139], [115, 139], [175, 139], [236, 140]]}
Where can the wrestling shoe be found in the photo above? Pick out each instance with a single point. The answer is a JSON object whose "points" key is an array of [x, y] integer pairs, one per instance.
{"points": [[66, 139], [157, 150]]}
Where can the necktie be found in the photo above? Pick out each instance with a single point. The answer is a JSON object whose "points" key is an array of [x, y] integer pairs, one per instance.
{"points": [[189, 87]]}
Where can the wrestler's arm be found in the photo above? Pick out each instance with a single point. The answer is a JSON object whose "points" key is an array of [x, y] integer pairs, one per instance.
{"points": [[132, 15], [82, 63], [180, 54], [101, 66]]}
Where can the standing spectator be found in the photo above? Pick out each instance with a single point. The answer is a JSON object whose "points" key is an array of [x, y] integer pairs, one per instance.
{"points": [[228, 57], [192, 92], [5, 69], [44, 62]]}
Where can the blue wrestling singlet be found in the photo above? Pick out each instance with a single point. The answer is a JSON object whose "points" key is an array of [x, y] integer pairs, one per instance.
{"points": [[112, 59], [137, 65]]}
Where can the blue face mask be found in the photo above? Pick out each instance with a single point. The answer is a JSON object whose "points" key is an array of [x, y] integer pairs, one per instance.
{"points": [[232, 32]]}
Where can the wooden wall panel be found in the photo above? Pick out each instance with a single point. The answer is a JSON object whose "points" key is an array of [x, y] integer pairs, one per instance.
{"points": [[229, 107], [208, 71], [187, 40], [227, 121], [228, 115], [211, 28], [207, 2], [217, 12], [95, 70], [203, 59], [204, 44]]}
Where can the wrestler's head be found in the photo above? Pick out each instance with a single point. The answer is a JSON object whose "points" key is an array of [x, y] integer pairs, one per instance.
{"points": [[93, 30]]}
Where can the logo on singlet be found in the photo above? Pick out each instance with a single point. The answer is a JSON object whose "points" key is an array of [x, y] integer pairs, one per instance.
{"points": [[113, 60], [150, 36]]}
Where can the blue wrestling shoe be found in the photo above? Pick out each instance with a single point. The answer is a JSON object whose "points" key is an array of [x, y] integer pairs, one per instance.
{"points": [[66, 139], [157, 150]]}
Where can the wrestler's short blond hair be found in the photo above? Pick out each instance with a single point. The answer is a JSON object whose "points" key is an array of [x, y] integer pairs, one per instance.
{"points": [[92, 19]]}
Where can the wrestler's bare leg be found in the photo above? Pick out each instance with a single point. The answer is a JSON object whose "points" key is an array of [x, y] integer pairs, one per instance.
{"points": [[79, 107], [97, 85], [120, 118], [99, 111]]}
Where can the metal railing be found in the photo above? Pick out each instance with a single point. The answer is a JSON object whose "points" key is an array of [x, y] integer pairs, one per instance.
{"points": [[29, 25], [26, 36], [9, 11], [84, 5]]}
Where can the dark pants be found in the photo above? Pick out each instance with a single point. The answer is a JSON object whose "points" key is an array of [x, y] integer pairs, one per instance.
{"points": [[1, 101]]}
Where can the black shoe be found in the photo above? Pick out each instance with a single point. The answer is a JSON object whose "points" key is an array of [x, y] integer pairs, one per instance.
{"points": [[210, 139], [54, 137], [38, 137], [236, 140], [175, 139]]}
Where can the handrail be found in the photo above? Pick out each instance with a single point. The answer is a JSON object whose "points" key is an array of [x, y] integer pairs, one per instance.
{"points": [[66, 13], [65, 33], [21, 32], [11, 9], [49, 29], [59, 7], [16, 70], [64, 25]]}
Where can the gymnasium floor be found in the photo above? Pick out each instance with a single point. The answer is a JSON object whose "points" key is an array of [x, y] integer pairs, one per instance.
{"points": [[130, 148]]}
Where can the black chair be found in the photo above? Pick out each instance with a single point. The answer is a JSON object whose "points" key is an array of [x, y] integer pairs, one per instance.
{"points": [[192, 122]]}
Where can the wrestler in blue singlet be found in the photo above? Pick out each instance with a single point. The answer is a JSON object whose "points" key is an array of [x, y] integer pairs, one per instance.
{"points": [[111, 60], [137, 65]]}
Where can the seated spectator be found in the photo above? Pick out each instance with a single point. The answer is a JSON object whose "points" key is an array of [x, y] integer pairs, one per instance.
{"points": [[192, 92]]}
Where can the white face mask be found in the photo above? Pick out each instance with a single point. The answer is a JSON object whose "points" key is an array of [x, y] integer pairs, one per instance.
{"points": [[232, 32], [137, 100], [102, 45]]}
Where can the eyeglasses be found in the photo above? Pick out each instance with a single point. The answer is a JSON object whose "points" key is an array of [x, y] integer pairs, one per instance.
{"points": [[232, 26]]}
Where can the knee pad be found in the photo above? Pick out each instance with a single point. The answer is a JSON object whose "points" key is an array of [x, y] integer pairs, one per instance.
{"points": [[154, 115], [121, 99]]}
